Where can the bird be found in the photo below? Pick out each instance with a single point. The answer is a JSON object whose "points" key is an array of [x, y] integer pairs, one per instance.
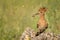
{"points": [[42, 23]]}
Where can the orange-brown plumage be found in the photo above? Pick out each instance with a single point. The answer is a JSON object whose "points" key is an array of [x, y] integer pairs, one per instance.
{"points": [[42, 23]]}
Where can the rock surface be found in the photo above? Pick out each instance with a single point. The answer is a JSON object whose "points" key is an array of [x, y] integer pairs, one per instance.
{"points": [[29, 34]]}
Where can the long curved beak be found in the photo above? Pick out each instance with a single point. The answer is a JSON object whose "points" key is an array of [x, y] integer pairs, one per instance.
{"points": [[35, 14]]}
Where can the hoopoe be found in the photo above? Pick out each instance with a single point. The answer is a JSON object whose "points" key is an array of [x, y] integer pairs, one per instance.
{"points": [[42, 24]]}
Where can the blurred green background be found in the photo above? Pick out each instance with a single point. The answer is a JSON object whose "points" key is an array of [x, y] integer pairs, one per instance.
{"points": [[16, 15]]}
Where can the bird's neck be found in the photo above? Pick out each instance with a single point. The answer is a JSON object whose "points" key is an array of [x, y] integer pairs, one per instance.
{"points": [[42, 17]]}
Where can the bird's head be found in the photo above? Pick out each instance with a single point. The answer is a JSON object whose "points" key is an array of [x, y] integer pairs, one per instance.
{"points": [[42, 10]]}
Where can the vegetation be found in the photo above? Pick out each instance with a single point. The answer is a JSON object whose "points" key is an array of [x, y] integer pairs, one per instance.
{"points": [[16, 15]]}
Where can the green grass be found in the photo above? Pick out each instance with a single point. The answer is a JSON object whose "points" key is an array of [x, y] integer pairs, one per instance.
{"points": [[16, 15]]}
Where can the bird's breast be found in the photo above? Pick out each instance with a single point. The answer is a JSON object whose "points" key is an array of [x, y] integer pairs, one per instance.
{"points": [[42, 23]]}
